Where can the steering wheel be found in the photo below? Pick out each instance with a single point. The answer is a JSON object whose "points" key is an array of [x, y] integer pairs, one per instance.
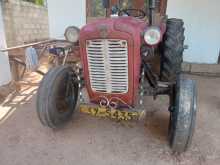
{"points": [[137, 13]]}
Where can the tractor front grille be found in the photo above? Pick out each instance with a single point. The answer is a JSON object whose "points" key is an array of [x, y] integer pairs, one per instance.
{"points": [[108, 65]]}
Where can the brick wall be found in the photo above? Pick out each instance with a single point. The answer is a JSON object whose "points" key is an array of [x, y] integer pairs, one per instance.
{"points": [[24, 22]]}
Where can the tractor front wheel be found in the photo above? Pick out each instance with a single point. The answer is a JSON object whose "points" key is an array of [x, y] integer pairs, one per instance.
{"points": [[57, 96], [183, 115]]}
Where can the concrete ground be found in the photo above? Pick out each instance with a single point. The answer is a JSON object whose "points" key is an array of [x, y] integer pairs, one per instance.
{"points": [[87, 140]]}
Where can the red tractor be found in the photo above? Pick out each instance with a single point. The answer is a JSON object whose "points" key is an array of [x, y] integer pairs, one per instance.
{"points": [[132, 54]]}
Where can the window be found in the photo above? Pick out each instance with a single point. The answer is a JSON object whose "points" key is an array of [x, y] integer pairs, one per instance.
{"points": [[95, 9]]}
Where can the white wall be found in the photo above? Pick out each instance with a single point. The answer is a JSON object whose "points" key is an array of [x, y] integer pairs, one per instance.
{"points": [[5, 75], [64, 13], [202, 22]]}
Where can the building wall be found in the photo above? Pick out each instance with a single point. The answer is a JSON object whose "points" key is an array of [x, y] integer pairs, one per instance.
{"points": [[201, 18], [24, 22], [64, 13], [202, 22], [5, 76]]}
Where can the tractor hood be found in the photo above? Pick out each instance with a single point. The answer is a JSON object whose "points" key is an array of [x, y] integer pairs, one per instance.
{"points": [[103, 28]]}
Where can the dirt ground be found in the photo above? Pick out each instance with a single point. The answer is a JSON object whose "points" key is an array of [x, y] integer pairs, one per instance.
{"points": [[87, 140]]}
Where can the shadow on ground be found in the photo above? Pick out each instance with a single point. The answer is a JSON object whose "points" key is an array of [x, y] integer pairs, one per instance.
{"points": [[23, 94], [86, 140]]}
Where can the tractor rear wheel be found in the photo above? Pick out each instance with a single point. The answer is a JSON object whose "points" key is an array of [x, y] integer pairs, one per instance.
{"points": [[183, 115], [57, 96], [172, 50]]}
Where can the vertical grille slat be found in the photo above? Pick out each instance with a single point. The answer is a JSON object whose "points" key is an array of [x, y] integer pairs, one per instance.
{"points": [[108, 65]]}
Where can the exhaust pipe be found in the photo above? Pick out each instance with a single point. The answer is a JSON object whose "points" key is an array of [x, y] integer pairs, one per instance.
{"points": [[154, 7]]}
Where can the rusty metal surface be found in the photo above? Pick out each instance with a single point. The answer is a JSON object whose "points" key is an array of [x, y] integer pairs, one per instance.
{"points": [[115, 114], [40, 43]]}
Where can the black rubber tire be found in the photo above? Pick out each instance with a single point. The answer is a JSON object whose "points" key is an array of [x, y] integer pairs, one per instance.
{"points": [[57, 96], [172, 50], [183, 115]]}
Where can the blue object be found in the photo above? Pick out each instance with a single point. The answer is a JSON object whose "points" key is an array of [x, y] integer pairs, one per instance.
{"points": [[31, 59]]}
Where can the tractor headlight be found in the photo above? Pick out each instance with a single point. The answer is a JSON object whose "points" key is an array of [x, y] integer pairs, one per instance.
{"points": [[152, 36], [72, 34]]}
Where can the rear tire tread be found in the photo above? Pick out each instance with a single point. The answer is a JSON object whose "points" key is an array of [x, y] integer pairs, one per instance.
{"points": [[173, 47]]}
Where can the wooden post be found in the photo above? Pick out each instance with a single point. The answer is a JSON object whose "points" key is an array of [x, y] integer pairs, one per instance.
{"points": [[88, 9], [138, 4], [163, 7], [113, 2]]}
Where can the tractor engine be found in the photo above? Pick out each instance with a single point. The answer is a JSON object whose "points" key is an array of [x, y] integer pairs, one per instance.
{"points": [[110, 53]]}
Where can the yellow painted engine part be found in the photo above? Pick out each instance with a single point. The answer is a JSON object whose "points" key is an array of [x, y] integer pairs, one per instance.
{"points": [[110, 113]]}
